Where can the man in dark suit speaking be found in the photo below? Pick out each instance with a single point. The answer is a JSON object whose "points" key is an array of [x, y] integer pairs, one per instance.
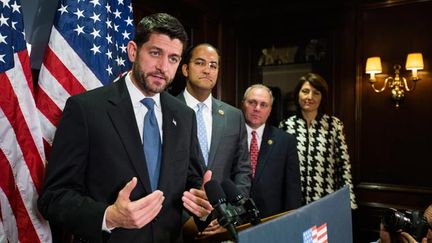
{"points": [[124, 154], [275, 165]]}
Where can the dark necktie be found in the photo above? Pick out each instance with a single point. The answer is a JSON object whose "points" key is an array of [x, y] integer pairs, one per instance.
{"points": [[253, 152], [151, 143], [202, 132]]}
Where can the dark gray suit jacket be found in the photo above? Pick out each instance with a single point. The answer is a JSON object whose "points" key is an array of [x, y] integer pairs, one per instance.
{"points": [[276, 185], [97, 149], [229, 154]]}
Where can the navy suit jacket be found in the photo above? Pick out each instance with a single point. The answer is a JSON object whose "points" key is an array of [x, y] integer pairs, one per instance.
{"points": [[276, 185], [228, 154], [97, 149]]}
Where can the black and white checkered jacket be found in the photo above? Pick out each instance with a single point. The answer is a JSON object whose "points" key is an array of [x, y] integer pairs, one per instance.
{"points": [[323, 154]]}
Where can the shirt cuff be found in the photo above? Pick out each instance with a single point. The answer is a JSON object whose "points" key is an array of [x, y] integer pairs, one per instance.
{"points": [[104, 225], [204, 218]]}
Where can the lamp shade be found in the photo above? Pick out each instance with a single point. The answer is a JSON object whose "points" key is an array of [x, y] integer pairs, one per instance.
{"points": [[373, 65], [414, 61]]}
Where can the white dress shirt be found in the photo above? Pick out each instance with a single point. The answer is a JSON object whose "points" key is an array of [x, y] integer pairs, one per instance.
{"points": [[192, 102], [259, 134], [139, 108], [140, 111]]}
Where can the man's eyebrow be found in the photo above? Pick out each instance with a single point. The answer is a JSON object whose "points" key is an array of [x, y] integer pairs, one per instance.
{"points": [[199, 59], [155, 47], [202, 59]]}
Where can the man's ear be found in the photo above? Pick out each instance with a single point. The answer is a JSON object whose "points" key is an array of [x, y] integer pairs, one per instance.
{"points": [[184, 69], [132, 50]]}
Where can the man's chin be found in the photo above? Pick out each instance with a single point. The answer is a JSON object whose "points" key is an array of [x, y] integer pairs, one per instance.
{"points": [[157, 86], [156, 90]]}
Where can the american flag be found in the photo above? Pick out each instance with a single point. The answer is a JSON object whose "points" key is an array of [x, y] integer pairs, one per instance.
{"points": [[87, 49], [316, 234], [21, 147]]}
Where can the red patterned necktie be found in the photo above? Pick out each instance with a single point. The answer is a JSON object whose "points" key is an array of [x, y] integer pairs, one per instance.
{"points": [[253, 152]]}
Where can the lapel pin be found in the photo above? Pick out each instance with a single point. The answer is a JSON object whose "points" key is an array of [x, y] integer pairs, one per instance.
{"points": [[174, 122], [269, 142], [221, 112]]}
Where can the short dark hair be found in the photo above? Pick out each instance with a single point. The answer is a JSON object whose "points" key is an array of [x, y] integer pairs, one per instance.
{"points": [[161, 23], [188, 54], [318, 83]]}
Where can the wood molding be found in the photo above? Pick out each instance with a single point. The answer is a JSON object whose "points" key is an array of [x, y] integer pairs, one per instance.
{"points": [[379, 196], [395, 188], [386, 4]]}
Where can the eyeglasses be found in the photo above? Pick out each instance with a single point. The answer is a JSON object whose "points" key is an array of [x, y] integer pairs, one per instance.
{"points": [[255, 103], [202, 63]]}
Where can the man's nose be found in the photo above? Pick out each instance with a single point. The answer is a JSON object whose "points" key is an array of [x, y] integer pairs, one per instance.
{"points": [[206, 69], [257, 107], [162, 64]]}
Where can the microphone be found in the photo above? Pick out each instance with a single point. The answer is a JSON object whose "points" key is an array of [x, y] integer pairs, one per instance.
{"points": [[249, 210], [217, 199]]}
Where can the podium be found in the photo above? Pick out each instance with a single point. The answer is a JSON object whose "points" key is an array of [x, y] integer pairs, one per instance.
{"points": [[325, 220], [191, 233]]}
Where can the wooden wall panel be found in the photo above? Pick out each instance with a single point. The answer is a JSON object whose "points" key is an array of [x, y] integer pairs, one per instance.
{"points": [[394, 145], [392, 151]]}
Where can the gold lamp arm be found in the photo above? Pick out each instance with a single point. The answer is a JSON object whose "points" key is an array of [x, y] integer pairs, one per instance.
{"points": [[384, 85], [408, 89]]}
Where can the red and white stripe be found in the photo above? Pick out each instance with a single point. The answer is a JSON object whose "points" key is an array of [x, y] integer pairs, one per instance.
{"points": [[62, 74], [322, 233], [21, 157], [314, 234]]}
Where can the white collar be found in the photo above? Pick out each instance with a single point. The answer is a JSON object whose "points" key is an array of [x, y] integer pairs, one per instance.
{"points": [[136, 94], [193, 102], [259, 130]]}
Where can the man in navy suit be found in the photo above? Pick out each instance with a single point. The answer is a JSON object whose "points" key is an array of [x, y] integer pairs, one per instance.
{"points": [[98, 185], [225, 140], [276, 174]]}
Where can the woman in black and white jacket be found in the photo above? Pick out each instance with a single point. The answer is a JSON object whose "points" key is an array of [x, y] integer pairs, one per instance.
{"points": [[324, 160]]}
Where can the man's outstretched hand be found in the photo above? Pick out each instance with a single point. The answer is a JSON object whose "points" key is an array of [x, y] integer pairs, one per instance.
{"points": [[195, 200], [129, 214]]}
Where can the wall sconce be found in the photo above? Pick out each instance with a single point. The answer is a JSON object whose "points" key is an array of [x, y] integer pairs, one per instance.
{"points": [[397, 84]]}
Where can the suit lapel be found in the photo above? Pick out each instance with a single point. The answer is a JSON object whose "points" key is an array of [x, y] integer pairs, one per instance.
{"points": [[218, 125], [169, 127], [123, 119], [181, 97], [267, 144]]}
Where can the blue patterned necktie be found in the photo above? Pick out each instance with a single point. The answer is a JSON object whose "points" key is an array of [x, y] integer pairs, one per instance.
{"points": [[151, 143], [202, 133]]}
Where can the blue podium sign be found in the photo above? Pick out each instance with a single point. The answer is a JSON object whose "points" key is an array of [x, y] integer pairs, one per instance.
{"points": [[325, 220]]}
